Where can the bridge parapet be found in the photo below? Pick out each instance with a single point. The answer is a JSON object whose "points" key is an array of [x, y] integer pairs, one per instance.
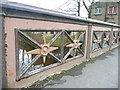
{"points": [[42, 44]]}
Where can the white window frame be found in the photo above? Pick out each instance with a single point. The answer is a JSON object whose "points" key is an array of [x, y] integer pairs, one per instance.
{"points": [[99, 11]]}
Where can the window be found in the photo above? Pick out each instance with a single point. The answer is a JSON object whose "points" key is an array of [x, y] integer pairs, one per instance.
{"points": [[98, 11], [112, 10]]}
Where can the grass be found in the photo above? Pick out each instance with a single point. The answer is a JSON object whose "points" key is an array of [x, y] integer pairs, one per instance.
{"points": [[92, 60], [58, 41]]}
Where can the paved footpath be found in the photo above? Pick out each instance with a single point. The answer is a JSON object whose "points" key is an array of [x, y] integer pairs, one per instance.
{"points": [[103, 73], [0, 75]]}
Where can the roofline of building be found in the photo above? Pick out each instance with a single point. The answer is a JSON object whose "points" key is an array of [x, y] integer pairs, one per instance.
{"points": [[41, 11]]}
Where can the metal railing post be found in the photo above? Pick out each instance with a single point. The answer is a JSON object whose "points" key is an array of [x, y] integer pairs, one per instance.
{"points": [[62, 45], [88, 50], [111, 37]]}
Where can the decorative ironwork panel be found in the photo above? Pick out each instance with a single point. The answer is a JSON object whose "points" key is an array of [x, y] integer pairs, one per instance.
{"points": [[119, 36], [37, 49], [116, 37], [74, 43], [100, 40], [97, 40], [106, 39], [40, 49]]}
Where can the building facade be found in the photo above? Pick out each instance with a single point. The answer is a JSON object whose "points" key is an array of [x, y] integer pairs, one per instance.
{"points": [[106, 11]]}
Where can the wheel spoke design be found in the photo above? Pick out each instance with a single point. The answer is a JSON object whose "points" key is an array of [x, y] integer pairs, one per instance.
{"points": [[106, 38], [45, 49], [97, 40], [74, 45], [114, 37]]}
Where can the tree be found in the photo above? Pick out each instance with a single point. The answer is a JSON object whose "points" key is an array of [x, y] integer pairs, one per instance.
{"points": [[78, 2], [70, 6], [76, 6], [88, 8]]}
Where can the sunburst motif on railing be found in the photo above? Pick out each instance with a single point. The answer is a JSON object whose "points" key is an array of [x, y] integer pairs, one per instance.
{"points": [[106, 38], [115, 37], [74, 45], [98, 38], [43, 51], [102, 39]]}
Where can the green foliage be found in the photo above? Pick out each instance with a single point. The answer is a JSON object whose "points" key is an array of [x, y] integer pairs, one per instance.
{"points": [[92, 60]]}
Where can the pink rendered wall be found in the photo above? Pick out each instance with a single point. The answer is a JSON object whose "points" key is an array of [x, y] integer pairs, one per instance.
{"points": [[16, 23]]}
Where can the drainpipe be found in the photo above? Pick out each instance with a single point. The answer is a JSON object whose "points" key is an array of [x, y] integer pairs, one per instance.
{"points": [[106, 6]]}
